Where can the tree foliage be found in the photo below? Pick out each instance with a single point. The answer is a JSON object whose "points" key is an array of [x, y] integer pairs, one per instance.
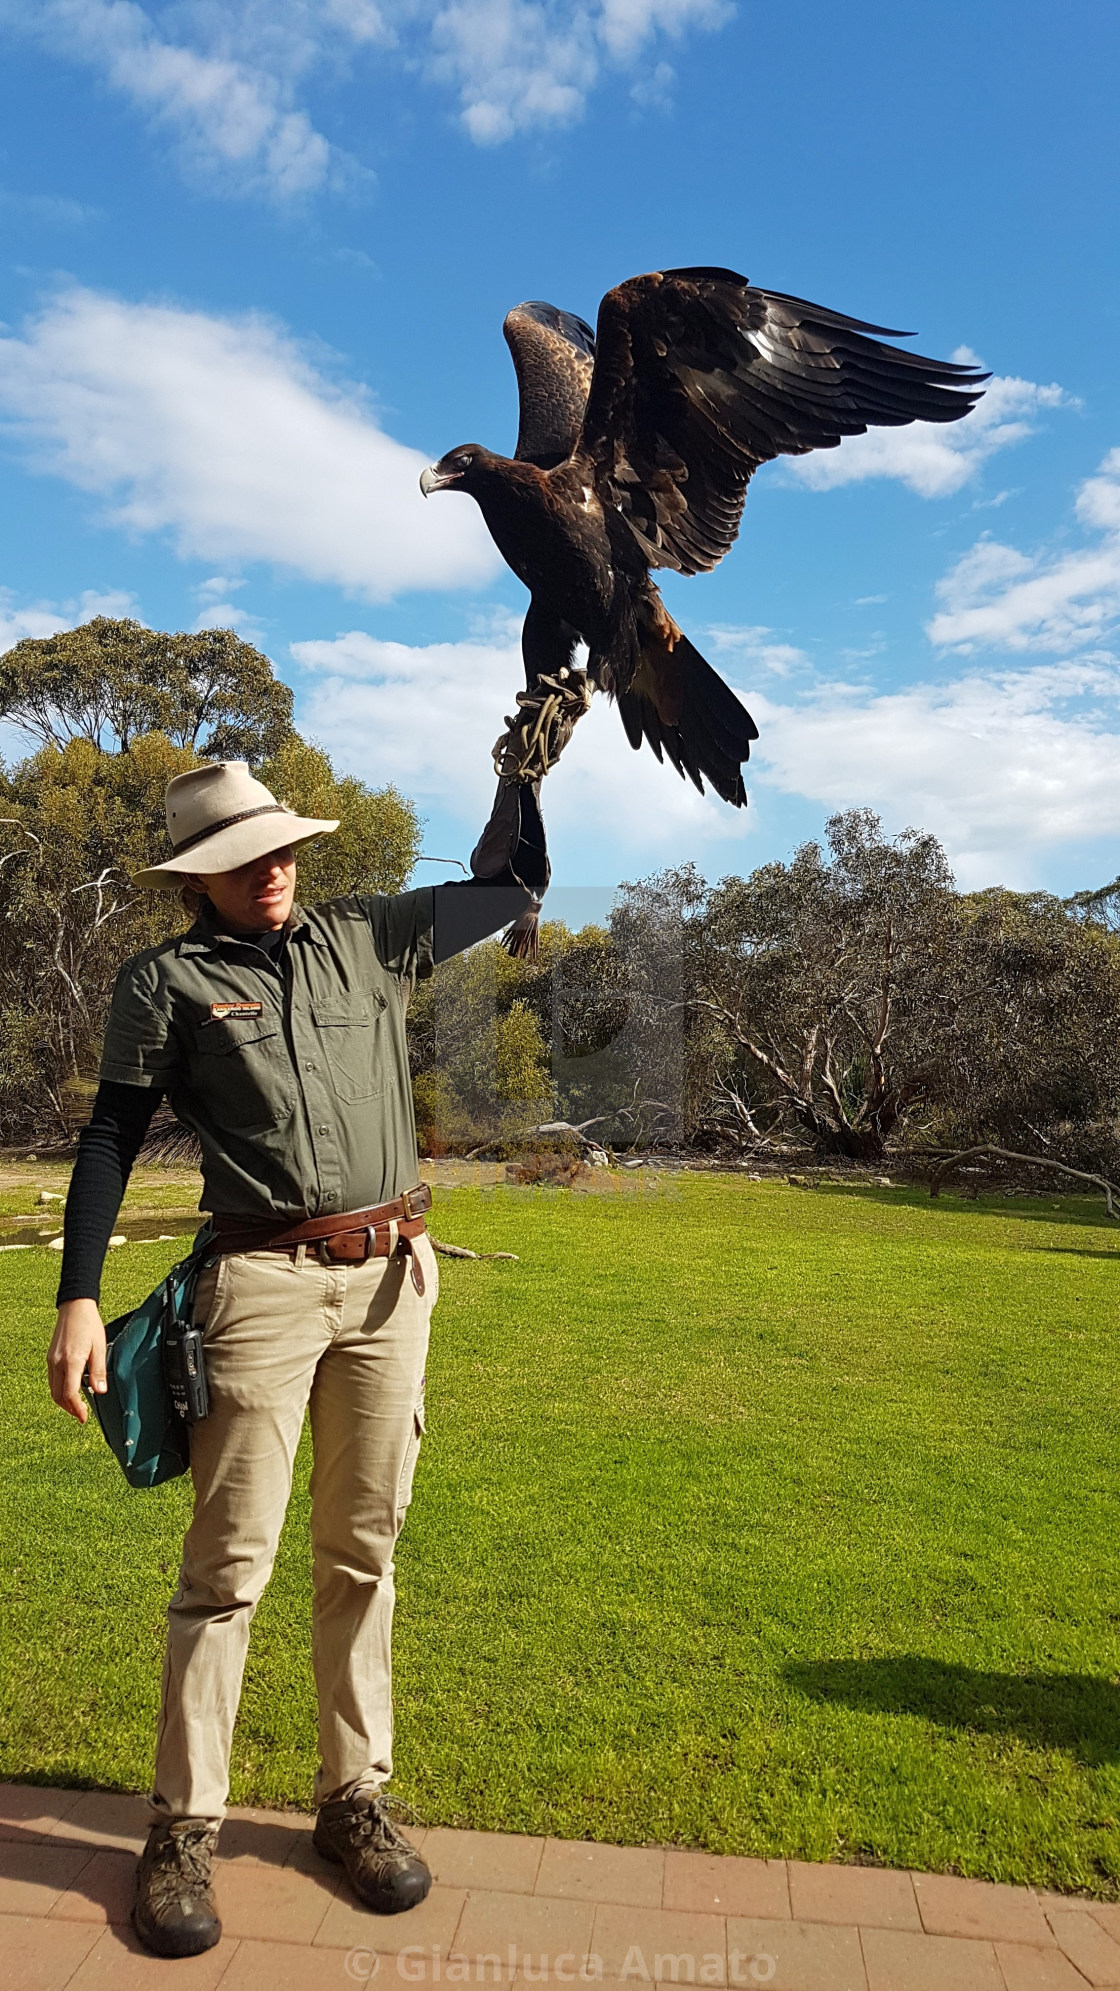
{"points": [[111, 682], [77, 822], [1026, 1044], [850, 1001], [377, 842], [824, 972]]}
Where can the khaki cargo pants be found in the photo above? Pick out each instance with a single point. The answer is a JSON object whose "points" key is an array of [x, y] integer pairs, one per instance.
{"points": [[349, 1342]]}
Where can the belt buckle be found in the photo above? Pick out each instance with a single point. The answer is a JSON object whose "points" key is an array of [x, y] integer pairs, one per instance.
{"points": [[406, 1202]]}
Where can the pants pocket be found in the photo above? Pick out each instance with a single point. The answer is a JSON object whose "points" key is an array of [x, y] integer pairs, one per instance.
{"points": [[213, 1284], [412, 1453]]}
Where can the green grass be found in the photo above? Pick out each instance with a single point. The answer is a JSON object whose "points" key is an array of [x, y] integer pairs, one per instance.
{"points": [[148, 1190], [768, 1520]]}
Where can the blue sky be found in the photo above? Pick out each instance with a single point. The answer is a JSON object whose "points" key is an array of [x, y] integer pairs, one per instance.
{"points": [[255, 258]]}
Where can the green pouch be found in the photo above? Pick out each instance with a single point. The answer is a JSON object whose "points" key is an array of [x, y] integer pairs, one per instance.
{"points": [[139, 1422]]}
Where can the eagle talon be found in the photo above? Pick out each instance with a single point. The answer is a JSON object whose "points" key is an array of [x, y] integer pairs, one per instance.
{"points": [[535, 739]]}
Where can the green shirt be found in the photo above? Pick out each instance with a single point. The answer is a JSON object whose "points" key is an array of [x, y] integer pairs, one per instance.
{"points": [[293, 1073]]}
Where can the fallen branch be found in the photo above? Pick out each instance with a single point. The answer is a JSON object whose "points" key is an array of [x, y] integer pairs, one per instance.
{"points": [[1033, 1161], [460, 1251]]}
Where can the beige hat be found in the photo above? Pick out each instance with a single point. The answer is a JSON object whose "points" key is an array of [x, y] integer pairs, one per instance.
{"points": [[219, 817]]}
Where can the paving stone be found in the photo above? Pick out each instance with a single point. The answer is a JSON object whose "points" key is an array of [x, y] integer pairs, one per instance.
{"points": [[806, 1956], [1060, 1902], [873, 1897], [711, 1884], [523, 1928], [982, 1908], [1026, 1968], [1107, 1913], [1089, 1947], [106, 1818], [298, 1967], [119, 1962], [33, 1874], [505, 1861], [277, 1904], [27, 1809], [897, 1960], [630, 1941], [39, 1955], [347, 1925], [580, 1871], [266, 1837], [525, 1978], [103, 1891]]}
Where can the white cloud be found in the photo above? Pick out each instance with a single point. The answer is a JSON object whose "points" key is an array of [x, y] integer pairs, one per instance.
{"points": [[934, 458], [222, 78], [427, 717], [222, 434], [1000, 765], [755, 648], [45, 210], [518, 65], [1005, 767], [233, 120], [217, 585], [47, 618], [998, 598]]}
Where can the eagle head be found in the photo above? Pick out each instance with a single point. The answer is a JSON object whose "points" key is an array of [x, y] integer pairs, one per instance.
{"points": [[454, 468]]}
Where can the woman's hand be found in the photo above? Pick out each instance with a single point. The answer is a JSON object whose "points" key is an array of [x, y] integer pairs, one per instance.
{"points": [[79, 1339]]}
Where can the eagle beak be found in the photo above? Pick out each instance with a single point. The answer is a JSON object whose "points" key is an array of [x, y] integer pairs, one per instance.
{"points": [[430, 480]]}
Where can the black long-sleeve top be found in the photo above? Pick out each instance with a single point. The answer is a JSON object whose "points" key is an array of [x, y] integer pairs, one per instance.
{"points": [[464, 913]]}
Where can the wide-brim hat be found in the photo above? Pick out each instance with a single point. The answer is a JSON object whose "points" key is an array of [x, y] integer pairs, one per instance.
{"points": [[219, 817]]}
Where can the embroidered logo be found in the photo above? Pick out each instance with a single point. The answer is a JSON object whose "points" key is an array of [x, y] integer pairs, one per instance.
{"points": [[224, 1012]]}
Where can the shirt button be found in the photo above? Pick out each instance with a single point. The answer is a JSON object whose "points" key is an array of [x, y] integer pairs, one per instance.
{"points": [[309, 1066], [329, 1197], [323, 1130]]}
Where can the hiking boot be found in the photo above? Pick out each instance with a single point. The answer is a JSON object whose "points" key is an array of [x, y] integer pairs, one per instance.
{"points": [[174, 1913], [383, 1869]]}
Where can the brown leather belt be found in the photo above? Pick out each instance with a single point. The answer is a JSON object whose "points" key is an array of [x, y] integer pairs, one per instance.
{"points": [[348, 1238]]}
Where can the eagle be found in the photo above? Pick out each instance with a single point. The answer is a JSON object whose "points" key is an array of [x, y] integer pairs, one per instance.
{"points": [[635, 447]]}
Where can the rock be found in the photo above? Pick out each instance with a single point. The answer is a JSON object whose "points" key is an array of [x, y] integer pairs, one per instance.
{"points": [[56, 1244], [117, 1239]]}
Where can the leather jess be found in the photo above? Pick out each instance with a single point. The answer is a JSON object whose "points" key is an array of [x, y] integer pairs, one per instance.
{"points": [[349, 1238]]}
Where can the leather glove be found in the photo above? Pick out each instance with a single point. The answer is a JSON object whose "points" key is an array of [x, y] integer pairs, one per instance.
{"points": [[512, 849]]}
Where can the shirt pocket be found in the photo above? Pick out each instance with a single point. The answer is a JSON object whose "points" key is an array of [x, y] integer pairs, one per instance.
{"points": [[242, 1074], [352, 1040]]}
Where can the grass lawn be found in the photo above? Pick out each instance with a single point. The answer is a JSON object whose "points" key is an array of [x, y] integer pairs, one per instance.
{"points": [[768, 1520]]}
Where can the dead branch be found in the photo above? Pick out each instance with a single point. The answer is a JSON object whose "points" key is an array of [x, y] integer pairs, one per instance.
{"points": [[460, 1251], [1110, 1189]]}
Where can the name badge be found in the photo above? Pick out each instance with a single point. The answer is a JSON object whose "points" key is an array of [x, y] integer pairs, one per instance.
{"points": [[223, 1012]]}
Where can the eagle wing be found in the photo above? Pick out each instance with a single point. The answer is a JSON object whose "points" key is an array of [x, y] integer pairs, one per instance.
{"points": [[699, 377], [553, 353]]}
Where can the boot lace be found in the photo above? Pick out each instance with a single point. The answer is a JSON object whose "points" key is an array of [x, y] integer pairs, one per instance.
{"points": [[181, 1867], [372, 1824]]}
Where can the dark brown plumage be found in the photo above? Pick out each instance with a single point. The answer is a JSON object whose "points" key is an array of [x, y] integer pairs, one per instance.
{"points": [[635, 448]]}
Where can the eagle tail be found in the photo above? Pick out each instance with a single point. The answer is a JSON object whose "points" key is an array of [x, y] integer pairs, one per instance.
{"points": [[683, 708]]}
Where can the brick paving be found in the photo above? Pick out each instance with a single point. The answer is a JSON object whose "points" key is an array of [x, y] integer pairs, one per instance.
{"points": [[519, 1911]]}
